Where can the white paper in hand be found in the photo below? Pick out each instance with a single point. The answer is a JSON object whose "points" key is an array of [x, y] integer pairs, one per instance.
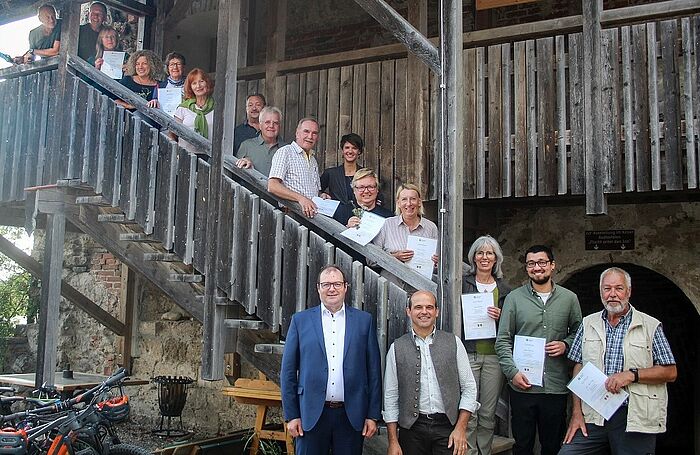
{"points": [[589, 386]]}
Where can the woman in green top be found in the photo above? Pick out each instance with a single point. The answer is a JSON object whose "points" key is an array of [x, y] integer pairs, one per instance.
{"points": [[484, 274]]}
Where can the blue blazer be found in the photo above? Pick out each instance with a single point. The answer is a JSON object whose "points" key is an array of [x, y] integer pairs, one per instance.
{"points": [[305, 368]]}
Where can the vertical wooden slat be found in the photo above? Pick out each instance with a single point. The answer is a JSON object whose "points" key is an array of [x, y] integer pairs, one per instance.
{"points": [[141, 146], [546, 97], [98, 127], [520, 126], [671, 106], [344, 262], [532, 170], [294, 236], [480, 124], [46, 103], [610, 93], [382, 310], [184, 175], [68, 148], [311, 95], [152, 182], [241, 243], [12, 165], [110, 159], [200, 216], [250, 296], [689, 101], [164, 205], [576, 76], [33, 132], [291, 109], [562, 160], [404, 160], [142, 182], [470, 136], [131, 127], [640, 108], [386, 134], [357, 284], [270, 272], [398, 321], [653, 87], [359, 81], [332, 117], [89, 146], [346, 101], [322, 113], [225, 237], [373, 109], [627, 107], [495, 120], [506, 103], [241, 94]]}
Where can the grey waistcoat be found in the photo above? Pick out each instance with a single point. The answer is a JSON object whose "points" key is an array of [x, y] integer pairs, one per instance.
{"points": [[443, 351]]}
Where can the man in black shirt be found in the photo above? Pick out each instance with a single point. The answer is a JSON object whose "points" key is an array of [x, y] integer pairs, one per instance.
{"points": [[88, 32], [251, 127]]}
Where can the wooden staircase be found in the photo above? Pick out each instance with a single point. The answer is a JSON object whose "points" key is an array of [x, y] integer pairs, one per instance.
{"points": [[132, 189]]}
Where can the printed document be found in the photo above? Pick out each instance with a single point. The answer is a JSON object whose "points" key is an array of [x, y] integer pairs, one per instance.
{"points": [[423, 251], [369, 227], [112, 65], [169, 99], [477, 323], [326, 206], [528, 355], [589, 386]]}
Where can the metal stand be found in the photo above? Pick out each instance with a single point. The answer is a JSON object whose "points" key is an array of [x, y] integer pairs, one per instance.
{"points": [[172, 395]]}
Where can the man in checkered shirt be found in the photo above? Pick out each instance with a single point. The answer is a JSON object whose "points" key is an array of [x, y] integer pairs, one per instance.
{"points": [[631, 349], [294, 171]]}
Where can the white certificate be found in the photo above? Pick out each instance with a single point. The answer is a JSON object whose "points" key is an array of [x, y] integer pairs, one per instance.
{"points": [[369, 227], [112, 65], [326, 206], [589, 386], [477, 322], [528, 355], [423, 251], [169, 99]]}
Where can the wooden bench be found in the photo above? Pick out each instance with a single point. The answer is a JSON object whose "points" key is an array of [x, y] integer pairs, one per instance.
{"points": [[263, 394]]}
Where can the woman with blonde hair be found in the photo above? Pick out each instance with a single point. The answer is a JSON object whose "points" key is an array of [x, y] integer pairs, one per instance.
{"points": [[107, 40]]}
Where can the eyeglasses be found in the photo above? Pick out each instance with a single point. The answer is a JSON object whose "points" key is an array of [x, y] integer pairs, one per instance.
{"points": [[335, 285], [171, 65], [488, 254], [532, 264], [362, 188]]}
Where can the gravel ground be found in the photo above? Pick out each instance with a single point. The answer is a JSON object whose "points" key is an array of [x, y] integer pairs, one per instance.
{"points": [[140, 435]]}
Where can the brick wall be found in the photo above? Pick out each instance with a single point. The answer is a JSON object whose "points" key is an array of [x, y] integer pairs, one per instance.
{"points": [[107, 269]]}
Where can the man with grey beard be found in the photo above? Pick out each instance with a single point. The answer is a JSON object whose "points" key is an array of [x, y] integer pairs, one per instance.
{"points": [[616, 340]]}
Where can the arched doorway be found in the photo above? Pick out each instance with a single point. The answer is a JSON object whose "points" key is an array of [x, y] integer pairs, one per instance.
{"points": [[658, 296]]}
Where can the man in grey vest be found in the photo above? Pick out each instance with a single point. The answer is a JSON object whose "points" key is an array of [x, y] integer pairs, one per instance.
{"points": [[429, 388]]}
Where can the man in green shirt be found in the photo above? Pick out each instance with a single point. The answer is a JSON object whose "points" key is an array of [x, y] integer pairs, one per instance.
{"points": [[538, 309], [45, 40]]}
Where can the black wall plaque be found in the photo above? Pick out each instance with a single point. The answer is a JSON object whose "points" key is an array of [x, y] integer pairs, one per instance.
{"points": [[621, 240]]}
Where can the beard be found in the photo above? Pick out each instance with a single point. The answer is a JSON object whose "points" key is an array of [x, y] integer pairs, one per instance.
{"points": [[541, 280], [616, 307]]}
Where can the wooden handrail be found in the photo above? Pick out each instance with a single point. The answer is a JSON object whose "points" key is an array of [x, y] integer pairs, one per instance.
{"points": [[258, 182], [203, 145], [25, 69], [549, 27]]}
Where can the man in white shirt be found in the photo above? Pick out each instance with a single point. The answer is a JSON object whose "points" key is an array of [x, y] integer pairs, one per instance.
{"points": [[331, 373], [426, 370]]}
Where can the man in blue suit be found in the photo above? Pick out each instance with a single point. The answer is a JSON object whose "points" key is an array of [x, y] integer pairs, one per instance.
{"points": [[331, 373]]}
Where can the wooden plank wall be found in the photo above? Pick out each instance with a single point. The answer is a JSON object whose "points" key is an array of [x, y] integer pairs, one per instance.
{"points": [[524, 113]]}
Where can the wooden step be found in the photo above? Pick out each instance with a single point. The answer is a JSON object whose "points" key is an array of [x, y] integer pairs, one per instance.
{"points": [[186, 277], [219, 300], [137, 237], [269, 348], [114, 218], [249, 324], [94, 200], [163, 257]]}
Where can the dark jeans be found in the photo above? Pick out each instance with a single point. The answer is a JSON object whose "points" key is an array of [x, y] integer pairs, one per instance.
{"points": [[611, 437], [543, 413], [427, 436], [332, 431]]}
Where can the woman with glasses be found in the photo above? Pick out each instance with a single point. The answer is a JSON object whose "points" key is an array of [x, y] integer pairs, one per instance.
{"points": [[175, 66], [365, 187], [337, 181], [483, 274]]}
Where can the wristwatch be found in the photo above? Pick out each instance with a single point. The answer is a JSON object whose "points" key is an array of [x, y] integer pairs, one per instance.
{"points": [[635, 372]]}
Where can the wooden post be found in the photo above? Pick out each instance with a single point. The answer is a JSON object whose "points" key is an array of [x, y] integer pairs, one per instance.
{"points": [[417, 109], [276, 31], [451, 174], [226, 75], [50, 286], [129, 314], [596, 201]]}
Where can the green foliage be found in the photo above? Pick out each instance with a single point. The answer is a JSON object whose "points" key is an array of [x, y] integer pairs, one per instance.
{"points": [[266, 447]]}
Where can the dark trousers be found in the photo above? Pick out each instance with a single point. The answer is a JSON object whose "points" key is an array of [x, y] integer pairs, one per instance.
{"points": [[426, 436], [332, 431], [543, 413], [611, 437]]}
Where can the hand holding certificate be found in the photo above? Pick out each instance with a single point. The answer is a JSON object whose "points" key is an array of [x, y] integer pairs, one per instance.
{"points": [[369, 227], [589, 386], [528, 355], [477, 322], [423, 251], [112, 64], [326, 206], [169, 99]]}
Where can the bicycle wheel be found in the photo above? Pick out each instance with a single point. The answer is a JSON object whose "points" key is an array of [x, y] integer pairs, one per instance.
{"points": [[128, 449]]}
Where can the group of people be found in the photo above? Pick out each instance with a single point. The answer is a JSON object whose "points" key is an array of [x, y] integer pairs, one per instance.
{"points": [[440, 390]]}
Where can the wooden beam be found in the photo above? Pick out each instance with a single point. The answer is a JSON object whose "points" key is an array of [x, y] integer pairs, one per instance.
{"points": [[596, 203], [132, 7], [226, 74], [45, 64], [276, 27], [488, 4], [34, 267], [650, 11], [177, 12], [403, 31], [50, 298], [451, 178], [128, 308]]}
